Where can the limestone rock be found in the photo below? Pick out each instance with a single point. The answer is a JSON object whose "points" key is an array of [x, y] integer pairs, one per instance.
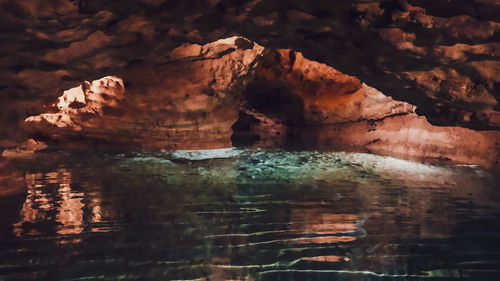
{"points": [[411, 137], [25, 150], [88, 99], [191, 101], [376, 41], [327, 95], [190, 98]]}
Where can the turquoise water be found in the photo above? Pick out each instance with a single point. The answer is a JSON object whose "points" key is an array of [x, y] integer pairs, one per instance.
{"points": [[247, 214]]}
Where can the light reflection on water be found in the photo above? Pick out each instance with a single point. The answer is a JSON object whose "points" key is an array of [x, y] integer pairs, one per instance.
{"points": [[52, 201], [256, 215]]}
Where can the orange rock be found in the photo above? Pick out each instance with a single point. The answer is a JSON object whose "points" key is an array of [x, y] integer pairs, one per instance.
{"points": [[328, 95], [190, 102], [410, 137]]}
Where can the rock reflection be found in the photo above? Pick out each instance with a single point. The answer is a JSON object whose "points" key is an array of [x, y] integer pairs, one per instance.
{"points": [[262, 216], [54, 206], [326, 259], [325, 228], [11, 180], [315, 221], [317, 227]]}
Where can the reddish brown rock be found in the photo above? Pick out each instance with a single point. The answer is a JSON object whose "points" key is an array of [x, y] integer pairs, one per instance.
{"points": [[411, 137], [39, 8], [26, 149], [79, 104], [328, 95], [376, 41], [450, 85], [190, 101], [95, 41], [258, 129], [340, 112]]}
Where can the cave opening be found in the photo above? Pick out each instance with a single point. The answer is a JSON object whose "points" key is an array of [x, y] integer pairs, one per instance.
{"points": [[249, 140], [269, 110]]}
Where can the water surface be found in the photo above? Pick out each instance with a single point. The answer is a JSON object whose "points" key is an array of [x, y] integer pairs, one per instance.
{"points": [[246, 215]]}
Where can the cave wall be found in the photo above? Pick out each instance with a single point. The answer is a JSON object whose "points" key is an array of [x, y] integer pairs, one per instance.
{"points": [[439, 55], [436, 61], [190, 101]]}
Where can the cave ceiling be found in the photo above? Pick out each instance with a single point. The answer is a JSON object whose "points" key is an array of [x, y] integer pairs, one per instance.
{"points": [[442, 56]]}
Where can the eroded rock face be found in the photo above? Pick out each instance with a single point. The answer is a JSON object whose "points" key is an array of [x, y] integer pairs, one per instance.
{"points": [[190, 101], [193, 99], [25, 150], [439, 55], [340, 112], [327, 95], [79, 104], [410, 137]]}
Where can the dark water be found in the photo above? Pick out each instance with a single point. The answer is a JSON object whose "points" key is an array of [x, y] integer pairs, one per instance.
{"points": [[256, 215]]}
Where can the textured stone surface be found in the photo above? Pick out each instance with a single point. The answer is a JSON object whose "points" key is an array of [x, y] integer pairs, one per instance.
{"points": [[78, 105], [389, 45], [26, 149], [189, 102], [326, 94], [408, 136], [329, 109], [193, 102], [440, 56]]}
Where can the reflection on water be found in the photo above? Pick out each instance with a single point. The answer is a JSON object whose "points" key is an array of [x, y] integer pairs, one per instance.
{"points": [[318, 227], [255, 215], [51, 202]]}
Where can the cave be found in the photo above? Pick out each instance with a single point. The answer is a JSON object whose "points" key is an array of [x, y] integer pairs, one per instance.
{"points": [[259, 122], [249, 140]]}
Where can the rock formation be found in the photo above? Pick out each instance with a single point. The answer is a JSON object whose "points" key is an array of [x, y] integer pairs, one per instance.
{"points": [[80, 104], [334, 110], [434, 59], [26, 149], [193, 102], [190, 101], [328, 96], [439, 55]]}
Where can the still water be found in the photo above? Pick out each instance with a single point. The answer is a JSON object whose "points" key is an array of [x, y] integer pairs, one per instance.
{"points": [[246, 215]]}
